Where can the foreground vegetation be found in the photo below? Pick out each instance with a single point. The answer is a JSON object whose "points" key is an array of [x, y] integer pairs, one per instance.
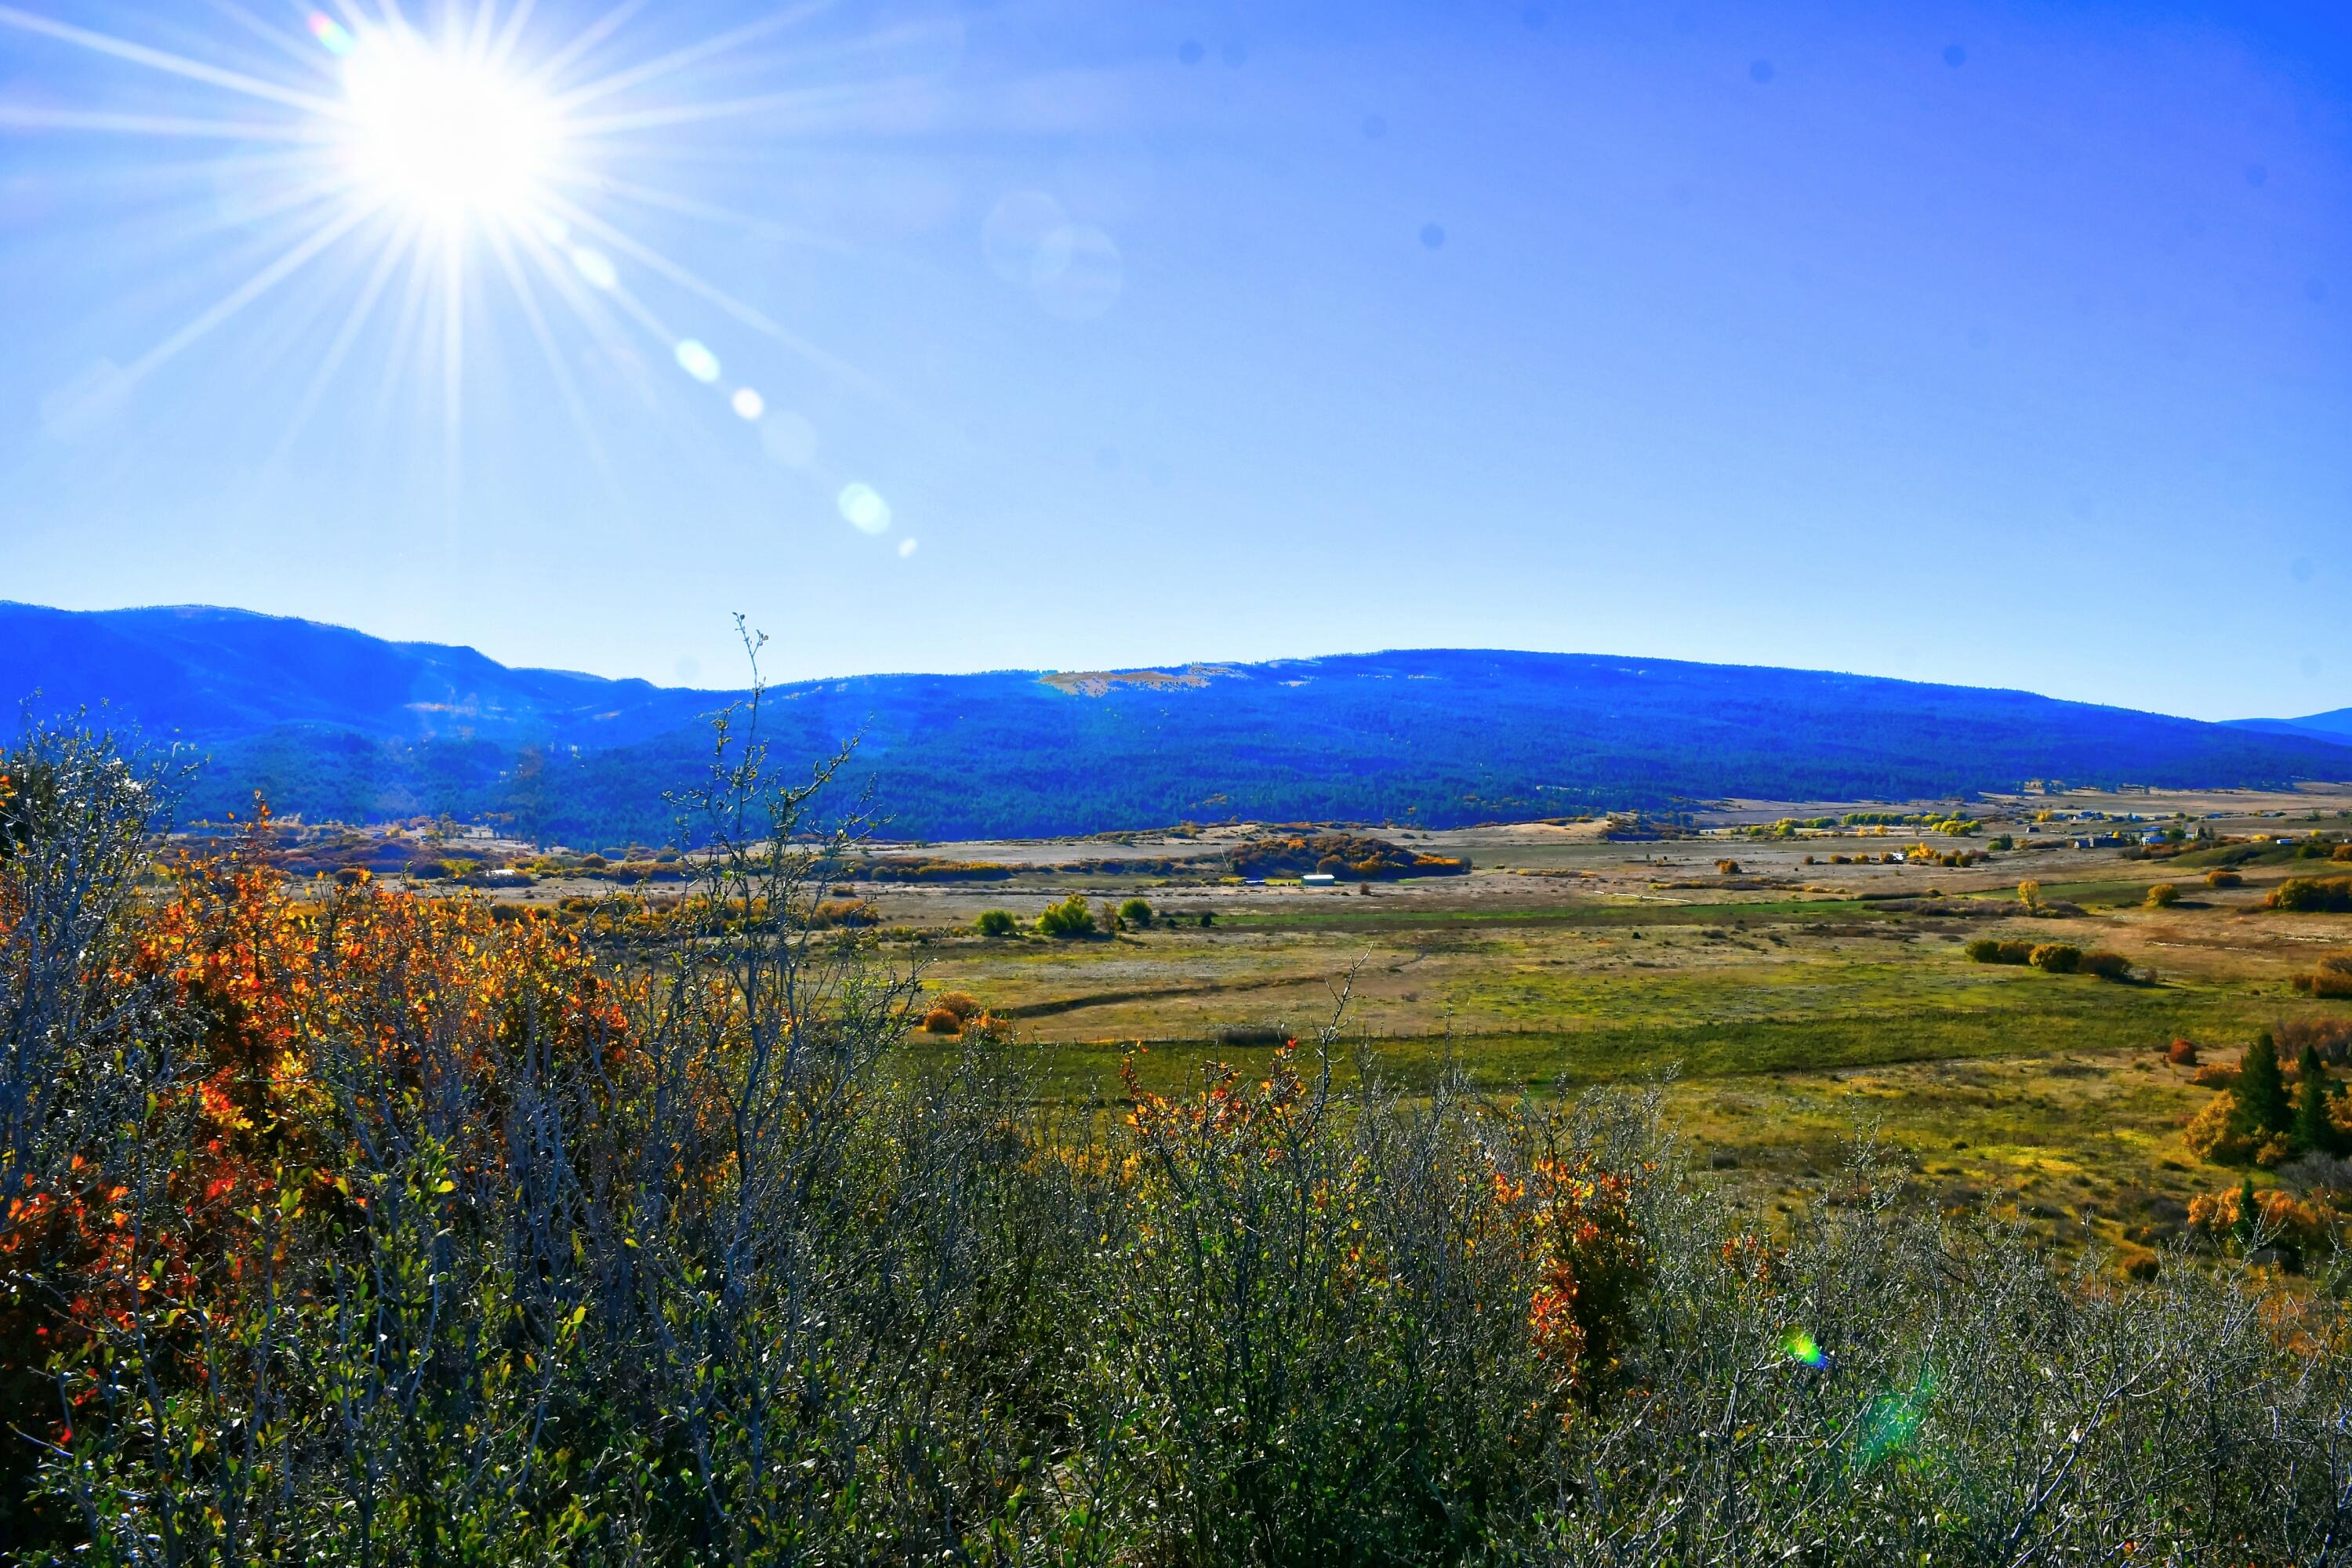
{"points": [[371, 1226]]}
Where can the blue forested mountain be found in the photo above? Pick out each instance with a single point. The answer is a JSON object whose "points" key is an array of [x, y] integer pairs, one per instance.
{"points": [[331, 724], [2335, 726]]}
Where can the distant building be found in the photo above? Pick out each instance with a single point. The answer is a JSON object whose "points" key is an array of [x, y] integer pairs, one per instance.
{"points": [[1318, 880]]}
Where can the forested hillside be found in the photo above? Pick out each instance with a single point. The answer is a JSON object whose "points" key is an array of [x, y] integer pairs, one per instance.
{"points": [[330, 723]]}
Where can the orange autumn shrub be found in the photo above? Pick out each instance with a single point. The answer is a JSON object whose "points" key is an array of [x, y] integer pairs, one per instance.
{"points": [[315, 1029], [413, 984], [2330, 978], [1586, 1259], [2301, 1226]]}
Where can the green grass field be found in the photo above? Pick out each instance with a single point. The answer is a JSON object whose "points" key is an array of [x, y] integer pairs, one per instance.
{"points": [[1780, 1021]]}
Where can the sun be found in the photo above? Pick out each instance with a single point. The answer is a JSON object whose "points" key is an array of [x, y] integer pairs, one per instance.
{"points": [[443, 134], [464, 177]]}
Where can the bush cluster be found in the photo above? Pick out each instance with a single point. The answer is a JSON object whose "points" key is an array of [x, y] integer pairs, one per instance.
{"points": [[2332, 977], [951, 1013], [2313, 895], [1070, 918], [2056, 957], [1348, 856]]}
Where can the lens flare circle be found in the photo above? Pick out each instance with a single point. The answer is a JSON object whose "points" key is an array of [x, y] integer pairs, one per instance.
{"points": [[863, 509], [444, 135]]}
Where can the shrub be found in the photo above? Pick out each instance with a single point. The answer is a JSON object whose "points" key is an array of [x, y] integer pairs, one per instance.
{"points": [[2028, 893], [2222, 877], [1371, 1268], [1729, 868], [2214, 1136], [959, 1003], [995, 924], [2181, 1053], [2215, 1075], [850, 912], [2106, 965], [2056, 957], [2331, 979], [2163, 895], [1070, 918], [1993, 950], [2313, 895], [2329, 1034], [942, 1021], [2297, 1227], [1136, 913]]}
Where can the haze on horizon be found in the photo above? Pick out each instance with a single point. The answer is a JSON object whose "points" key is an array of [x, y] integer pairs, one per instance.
{"points": [[1974, 344]]}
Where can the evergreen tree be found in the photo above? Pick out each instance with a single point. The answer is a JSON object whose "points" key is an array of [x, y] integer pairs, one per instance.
{"points": [[2248, 1213], [2313, 1128], [2262, 1108]]}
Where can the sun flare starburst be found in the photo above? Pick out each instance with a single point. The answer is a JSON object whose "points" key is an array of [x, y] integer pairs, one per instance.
{"points": [[467, 173]]}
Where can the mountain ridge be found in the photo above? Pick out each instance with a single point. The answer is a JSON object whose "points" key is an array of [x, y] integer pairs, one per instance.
{"points": [[331, 722]]}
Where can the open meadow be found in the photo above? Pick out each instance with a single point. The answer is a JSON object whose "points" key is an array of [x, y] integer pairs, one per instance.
{"points": [[1787, 1005], [1790, 987]]}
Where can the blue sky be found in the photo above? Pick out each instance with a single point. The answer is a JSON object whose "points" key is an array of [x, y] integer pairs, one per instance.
{"points": [[1998, 344]]}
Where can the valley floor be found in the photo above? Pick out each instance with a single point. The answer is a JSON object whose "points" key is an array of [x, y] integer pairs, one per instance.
{"points": [[1788, 1005]]}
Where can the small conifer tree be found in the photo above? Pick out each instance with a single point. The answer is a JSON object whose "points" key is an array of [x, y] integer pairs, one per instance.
{"points": [[2248, 1213], [2263, 1107], [2313, 1128]]}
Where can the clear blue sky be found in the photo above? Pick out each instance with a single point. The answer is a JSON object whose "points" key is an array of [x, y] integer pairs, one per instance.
{"points": [[1998, 345]]}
